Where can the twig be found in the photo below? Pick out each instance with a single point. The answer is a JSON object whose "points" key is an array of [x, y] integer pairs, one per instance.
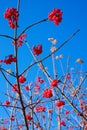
{"points": [[71, 104], [6, 78], [8, 72], [28, 27], [6, 36]]}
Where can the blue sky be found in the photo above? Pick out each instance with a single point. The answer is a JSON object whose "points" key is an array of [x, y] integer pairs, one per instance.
{"points": [[74, 17]]}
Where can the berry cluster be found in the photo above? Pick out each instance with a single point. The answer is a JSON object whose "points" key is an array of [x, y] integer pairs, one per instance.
{"points": [[22, 79], [55, 15], [3, 128], [37, 87], [40, 109], [20, 40], [37, 50], [47, 93], [60, 103], [12, 15], [15, 88], [28, 117], [39, 80], [9, 59], [54, 82]]}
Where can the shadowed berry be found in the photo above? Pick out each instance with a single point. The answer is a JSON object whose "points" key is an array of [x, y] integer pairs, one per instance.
{"points": [[37, 50]]}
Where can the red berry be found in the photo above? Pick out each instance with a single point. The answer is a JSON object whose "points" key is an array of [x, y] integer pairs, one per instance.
{"points": [[12, 118], [60, 103], [22, 79], [67, 112], [47, 93], [27, 88], [15, 88], [37, 87], [20, 40], [11, 15], [10, 59], [28, 117], [50, 111], [54, 82], [7, 103], [40, 109], [56, 16], [62, 123], [37, 50]]}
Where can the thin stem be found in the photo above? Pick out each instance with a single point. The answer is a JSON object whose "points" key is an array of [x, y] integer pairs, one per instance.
{"points": [[6, 36], [59, 119], [67, 67], [17, 75], [61, 65], [8, 72], [6, 78], [77, 90], [13, 108], [32, 112], [36, 103], [54, 66], [28, 27], [50, 117], [18, 6], [10, 106]]}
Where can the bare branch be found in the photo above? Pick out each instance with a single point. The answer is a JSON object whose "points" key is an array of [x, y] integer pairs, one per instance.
{"points": [[52, 52], [28, 27]]}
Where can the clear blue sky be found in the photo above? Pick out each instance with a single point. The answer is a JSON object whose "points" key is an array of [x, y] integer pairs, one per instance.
{"points": [[74, 17]]}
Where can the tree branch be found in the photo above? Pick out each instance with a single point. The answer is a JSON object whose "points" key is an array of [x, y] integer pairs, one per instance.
{"points": [[52, 52]]}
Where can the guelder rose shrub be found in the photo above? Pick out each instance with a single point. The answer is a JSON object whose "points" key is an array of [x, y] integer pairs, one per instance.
{"points": [[47, 102]]}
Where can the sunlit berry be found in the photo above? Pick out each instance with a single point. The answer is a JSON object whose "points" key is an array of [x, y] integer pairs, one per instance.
{"points": [[47, 93], [55, 15], [11, 15], [60, 103], [22, 79], [54, 82], [7, 103]]}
